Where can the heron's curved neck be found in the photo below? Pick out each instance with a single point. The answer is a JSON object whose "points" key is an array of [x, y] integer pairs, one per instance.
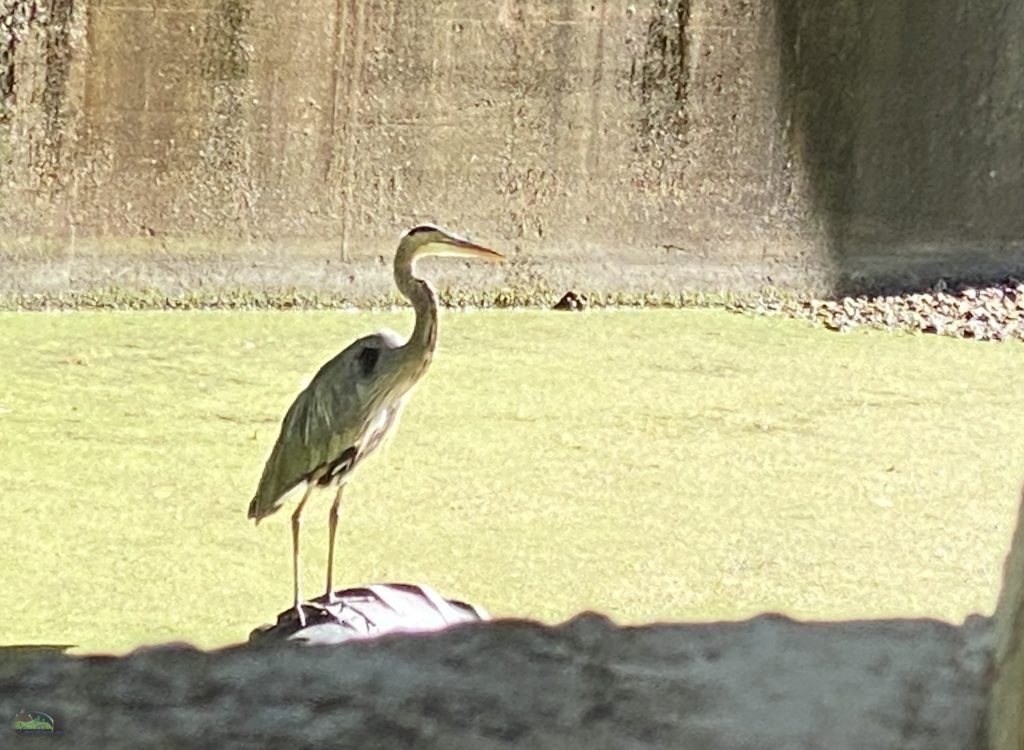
{"points": [[424, 302]]}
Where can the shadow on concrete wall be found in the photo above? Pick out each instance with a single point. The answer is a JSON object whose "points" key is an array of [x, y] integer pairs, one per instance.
{"points": [[904, 116]]}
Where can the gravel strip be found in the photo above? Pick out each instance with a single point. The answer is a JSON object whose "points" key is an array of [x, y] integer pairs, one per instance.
{"points": [[987, 313], [990, 313]]}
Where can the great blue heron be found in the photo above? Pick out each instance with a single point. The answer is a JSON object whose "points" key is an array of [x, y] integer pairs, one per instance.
{"points": [[354, 401]]}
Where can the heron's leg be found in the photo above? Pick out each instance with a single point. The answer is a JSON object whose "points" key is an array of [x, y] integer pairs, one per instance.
{"points": [[296, 523], [332, 522]]}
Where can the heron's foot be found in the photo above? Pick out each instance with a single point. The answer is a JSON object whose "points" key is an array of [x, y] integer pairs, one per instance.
{"points": [[316, 607]]}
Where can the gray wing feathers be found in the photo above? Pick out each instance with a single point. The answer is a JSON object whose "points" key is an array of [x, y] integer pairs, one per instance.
{"points": [[332, 414]]}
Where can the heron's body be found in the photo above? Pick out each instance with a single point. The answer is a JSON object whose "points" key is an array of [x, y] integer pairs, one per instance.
{"points": [[355, 399], [344, 413]]}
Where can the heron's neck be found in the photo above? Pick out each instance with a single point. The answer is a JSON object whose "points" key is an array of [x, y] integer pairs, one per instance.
{"points": [[424, 301]]}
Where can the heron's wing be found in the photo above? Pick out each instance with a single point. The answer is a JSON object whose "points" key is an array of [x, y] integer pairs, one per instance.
{"points": [[330, 422]]}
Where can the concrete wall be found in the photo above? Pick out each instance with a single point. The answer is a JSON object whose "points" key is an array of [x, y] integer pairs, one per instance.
{"points": [[910, 118], [611, 143]]}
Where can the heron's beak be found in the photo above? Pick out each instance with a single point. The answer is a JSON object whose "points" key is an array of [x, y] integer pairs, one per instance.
{"points": [[454, 247]]}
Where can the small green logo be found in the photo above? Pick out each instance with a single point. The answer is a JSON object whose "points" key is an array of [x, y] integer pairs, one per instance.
{"points": [[33, 722]]}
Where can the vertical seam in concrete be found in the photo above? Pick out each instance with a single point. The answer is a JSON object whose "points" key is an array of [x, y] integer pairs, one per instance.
{"points": [[591, 161], [78, 40], [683, 12], [352, 99], [515, 207], [338, 51]]}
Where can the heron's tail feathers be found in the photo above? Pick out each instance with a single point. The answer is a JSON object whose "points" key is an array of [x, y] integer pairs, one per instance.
{"points": [[263, 504]]}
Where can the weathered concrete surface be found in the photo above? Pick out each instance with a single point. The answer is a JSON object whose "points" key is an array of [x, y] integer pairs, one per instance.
{"points": [[767, 683], [664, 142], [1007, 707]]}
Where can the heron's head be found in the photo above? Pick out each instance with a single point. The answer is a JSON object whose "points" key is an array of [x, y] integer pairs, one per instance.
{"points": [[427, 240]]}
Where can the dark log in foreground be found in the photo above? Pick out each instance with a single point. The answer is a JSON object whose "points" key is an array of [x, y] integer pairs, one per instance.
{"points": [[766, 683]]}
